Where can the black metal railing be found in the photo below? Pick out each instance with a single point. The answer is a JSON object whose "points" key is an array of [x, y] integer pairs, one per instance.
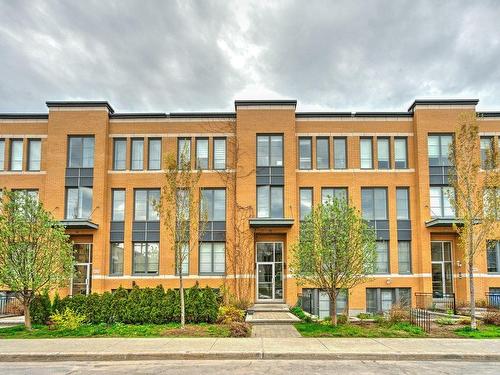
{"points": [[493, 300], [421, 318], [436, 301], [10, 306]]}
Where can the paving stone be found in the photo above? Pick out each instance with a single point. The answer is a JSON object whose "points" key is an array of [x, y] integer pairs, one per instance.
{"points": [[274, 330]]}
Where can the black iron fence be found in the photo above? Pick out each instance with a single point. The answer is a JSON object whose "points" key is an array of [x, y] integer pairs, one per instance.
{"points": [[436, 302], [493, 300], [10, 306], [421, 318]]}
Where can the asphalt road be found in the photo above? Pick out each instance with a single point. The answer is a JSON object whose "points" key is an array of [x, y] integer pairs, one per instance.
{"points": [[261, 367]]}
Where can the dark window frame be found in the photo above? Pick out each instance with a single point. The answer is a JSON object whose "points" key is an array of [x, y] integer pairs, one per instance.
{"points": [[212, 272], [28, 158], [407, 164], [154, 139], [11, 149], [225, 153], [269, 135], [309, 139], [361, 139], [311, 190], [146, 273], [320, 138], [148, 190], [179, 152], [346, 152], [389, 154], [68, 149], [115, 141], [113, 190], [132, 140], [196, 140], [111, 273]]}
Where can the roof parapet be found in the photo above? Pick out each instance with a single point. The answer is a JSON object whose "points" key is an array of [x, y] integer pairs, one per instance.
{"points": [[447, 102], [80, 104]]}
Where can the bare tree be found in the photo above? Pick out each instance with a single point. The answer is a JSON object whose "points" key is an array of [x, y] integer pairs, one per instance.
{"points": [[475, 182]]}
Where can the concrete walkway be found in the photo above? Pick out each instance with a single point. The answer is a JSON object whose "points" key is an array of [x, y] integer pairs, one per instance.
{"points": [[274, 330], [111, 349]]}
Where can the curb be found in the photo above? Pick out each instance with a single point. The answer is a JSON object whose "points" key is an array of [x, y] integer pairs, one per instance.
{"points": [[251, 355]]}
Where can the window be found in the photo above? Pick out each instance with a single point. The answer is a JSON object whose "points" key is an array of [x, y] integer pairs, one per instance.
{"points": [[2, 154], [213, 204], [270, 201], [118, 213], [16, 155], [383, 154], [491, 202], [380, 300], [185, 259], [401, 153], [440, 201], [212, 257], [116, 258], [81, 152], [338, 193], [402, 204], [374, 203], [366, 153], [438, 147], [29, 192], [404, 257], [154, 151], [202, 153], [219, 153], [184, 151], [182, 205], [486, 146], [144, 209], [493, 256], [322, 153], [340, 153], [306, 202], [269, 150], [305, 150], [145, 260], [137, 159], [78, 202], [34, 154], [119, 154], [382, 263]]}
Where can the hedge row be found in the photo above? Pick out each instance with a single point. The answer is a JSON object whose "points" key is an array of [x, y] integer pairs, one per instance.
{"points": [[137, 306]]}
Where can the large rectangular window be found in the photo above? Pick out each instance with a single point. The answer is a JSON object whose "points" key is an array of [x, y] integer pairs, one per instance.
{"points": [[382, 263], [212, 258], [78, 202], [270, 201], [119, 154], [34, 154], [404, 257], [402, 204], [118, 196], [202, 153], [213, 204], [366, 153], [440, 197], [331, 193], [154, 153], [269, 150], [383, 153], [486, 145], [438, 147], [374, 203], [2, 154], [137, 154], [144, 205], [380, 300], [340, 153], [219, 153], [81, 152], [401, 153], [185, 259], [306, 202], [322, 153], [116, 258], [305, 153], [493, 256], [16, 155], [146, 257], [183, 151]]}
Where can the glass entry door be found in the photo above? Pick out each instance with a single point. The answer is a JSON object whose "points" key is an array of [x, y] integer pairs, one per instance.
{"points": [[442, 276], [81, 282], [269, 271]]}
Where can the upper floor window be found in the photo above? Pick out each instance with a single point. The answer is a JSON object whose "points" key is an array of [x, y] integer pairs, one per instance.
{"points": [[81, 152], [306, 202], [219, 153], [213, 204], [32, 193], [270, 201], [366, 153], [340, 153], [374, 203], [144, 205], [202, 153], [383, 154], [400, 153], [493, 256], [137, 153], [119, 154], [382, 262], [269, 150], [154, 154], [16, 155], [78, 202], [491, 202], [486, 146], [322, 153], [34, 154], [441, 201], [305, 151], [438, 148], [183, 151], [331, 193], [402, 204], [182, 205], [118, 208], [2, 154]]}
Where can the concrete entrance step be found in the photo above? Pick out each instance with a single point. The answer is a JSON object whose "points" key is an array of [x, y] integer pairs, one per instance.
{"points": [[271, 317], [269, 307]]}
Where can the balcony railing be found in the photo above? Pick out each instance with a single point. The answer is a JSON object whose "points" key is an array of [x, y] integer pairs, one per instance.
{"points": [[10, 306]]}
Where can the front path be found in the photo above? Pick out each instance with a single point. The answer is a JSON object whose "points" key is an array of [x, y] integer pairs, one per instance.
{"points": [[274, 330]]}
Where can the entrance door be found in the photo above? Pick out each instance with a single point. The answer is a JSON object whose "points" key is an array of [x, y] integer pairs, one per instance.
{"points": [[81, 282], [269, 271], [442, 276]]}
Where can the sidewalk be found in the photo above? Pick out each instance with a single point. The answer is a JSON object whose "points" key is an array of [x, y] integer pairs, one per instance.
{"points": [[119, 349]]}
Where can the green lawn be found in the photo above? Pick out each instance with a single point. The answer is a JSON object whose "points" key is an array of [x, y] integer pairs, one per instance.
{"points": [[118, 330], [484, 332], [354, 330]]}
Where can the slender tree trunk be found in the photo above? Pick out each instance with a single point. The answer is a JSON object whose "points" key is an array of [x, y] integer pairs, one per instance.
{"points": [[27, 315], [181, 291], [333, 309], [473, 322]]}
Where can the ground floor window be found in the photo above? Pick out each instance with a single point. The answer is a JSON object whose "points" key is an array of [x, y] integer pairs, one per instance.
{"points": [[404, 257], [493, 256], [380, 300], [382, 263], [317, 302], [145, 260], [185, 260], [116, 257], [212, 257]]}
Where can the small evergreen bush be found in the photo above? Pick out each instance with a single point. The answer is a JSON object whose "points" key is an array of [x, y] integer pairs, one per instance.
{"points": [[67, 320], [40, 309]]}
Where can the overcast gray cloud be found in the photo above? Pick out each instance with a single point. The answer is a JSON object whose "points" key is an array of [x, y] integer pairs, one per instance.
{"points": [[174, 56]]}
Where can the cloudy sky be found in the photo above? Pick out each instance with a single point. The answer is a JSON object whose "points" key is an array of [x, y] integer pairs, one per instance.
{"points": [[172, 56]]}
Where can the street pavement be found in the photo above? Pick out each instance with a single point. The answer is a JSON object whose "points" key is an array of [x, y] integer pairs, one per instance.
{"points": [[251, 367]]}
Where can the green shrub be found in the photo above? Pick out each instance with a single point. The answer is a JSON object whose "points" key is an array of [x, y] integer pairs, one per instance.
{"points": [[379, 319], [56, 303], [299, 313], [492, 317], [239, 329], [40, 309], [445, 321], [342, 319], [363, 316], [229, 314], [67, 320]]}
